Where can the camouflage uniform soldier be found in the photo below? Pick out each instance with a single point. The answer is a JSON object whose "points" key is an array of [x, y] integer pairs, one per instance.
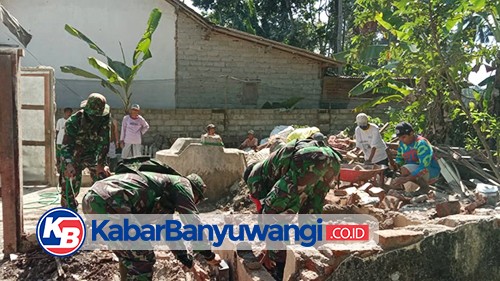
{"points": [[148, 193], [85, 145], [298, 163], [260, 177], [294, 179]]}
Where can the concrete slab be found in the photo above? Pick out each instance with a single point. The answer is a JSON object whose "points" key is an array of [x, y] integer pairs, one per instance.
{"points": [[219, 167]]}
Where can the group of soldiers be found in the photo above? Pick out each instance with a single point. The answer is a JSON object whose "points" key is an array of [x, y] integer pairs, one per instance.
{"points": [[158, 190], [294, 179]]}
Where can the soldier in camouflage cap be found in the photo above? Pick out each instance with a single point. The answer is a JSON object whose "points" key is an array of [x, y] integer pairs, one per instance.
{"points": [[85, 145], [96, 105], [198, 185], [294, 179], [149, 193]]}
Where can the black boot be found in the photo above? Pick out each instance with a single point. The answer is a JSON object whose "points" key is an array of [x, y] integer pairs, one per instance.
{"points": [[424, 186], [278, 271]]}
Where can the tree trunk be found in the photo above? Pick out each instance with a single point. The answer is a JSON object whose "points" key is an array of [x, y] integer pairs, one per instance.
{"points": [[437, 128]]}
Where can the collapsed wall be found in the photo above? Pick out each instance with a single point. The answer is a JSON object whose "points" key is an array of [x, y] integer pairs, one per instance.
{"points": [[459, 247]]}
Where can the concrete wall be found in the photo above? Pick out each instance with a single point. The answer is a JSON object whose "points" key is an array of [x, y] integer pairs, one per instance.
{"points": [[469, 251], [219, 167], [107, 23], [204, 59]]}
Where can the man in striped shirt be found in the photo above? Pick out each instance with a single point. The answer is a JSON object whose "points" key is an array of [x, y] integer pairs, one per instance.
{"points": [[416, 159]]}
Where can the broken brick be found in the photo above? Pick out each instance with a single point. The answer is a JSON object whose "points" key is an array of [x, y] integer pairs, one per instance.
{"points": [[472, 206], [300, 259], [340, 192], [390, 239], [401, 220], [447, 208], [456, 220], [389, 203]]}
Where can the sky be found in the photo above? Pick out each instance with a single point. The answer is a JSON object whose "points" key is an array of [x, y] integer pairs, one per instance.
{"points": [[190, 4]]}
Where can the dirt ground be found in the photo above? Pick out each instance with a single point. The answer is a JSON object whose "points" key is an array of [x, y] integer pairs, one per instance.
{"points": [[86, 265]]}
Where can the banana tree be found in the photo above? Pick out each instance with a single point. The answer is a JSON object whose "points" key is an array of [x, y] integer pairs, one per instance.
{"points": [[115, 75]]}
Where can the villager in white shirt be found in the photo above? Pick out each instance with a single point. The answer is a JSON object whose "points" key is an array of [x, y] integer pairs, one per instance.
{"points": [[133, 127], [369, 141]]}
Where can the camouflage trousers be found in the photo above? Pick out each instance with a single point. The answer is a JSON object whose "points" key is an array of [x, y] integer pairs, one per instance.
{"points": [[302, 189], [258, 183], [70, 187], [58, 157], [138, 264]]}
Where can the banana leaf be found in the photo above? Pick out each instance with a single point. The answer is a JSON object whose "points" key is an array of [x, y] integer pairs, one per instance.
{"points": [[145, 42]]}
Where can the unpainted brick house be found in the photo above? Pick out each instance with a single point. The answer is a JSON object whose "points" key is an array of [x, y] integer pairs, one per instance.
{"points": [[220, 67]]}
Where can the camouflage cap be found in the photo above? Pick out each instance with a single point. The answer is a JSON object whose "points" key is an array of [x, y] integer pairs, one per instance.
{"points": [[198, 185], [96, 105]]}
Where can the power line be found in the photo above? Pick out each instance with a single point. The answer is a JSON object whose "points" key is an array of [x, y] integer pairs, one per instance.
{"points": [[40, 63]]}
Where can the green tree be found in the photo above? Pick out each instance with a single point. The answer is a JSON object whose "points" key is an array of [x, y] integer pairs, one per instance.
{"points": [[115, 75], [435, 43], [309, 24]]}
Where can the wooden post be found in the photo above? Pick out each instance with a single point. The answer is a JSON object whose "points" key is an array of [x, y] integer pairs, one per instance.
{"points": [[10, 149]]}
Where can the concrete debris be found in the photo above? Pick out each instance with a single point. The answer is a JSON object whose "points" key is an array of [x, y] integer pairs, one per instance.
{"points": [[377, 192], [480, 201], [419, 199]]}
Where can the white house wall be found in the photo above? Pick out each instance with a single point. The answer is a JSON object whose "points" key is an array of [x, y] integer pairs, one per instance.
{"points": [[107, 23]]}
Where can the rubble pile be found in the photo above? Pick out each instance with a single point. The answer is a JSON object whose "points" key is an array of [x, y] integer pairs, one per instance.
{"points": [[406, 222], [86, 265], [454, 226]]}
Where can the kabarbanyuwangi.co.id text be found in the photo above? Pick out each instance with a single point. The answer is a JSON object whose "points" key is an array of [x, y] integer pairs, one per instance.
{"points": [[217, 231]]}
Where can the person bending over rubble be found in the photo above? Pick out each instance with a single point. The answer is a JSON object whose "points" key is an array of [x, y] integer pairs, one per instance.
{"points": [[416, 159], [135, 189], [294, 179], [85, 145], [370, 142]]}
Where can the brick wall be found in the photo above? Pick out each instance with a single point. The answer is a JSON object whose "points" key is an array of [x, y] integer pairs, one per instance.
{"points": [[205, 59], [233, 124]]}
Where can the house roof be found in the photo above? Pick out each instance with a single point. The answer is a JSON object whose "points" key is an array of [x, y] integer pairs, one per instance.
{"points": [[252, 38]]}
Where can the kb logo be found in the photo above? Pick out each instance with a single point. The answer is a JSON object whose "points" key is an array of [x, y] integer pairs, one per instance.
{"points": [[60, 232]]}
